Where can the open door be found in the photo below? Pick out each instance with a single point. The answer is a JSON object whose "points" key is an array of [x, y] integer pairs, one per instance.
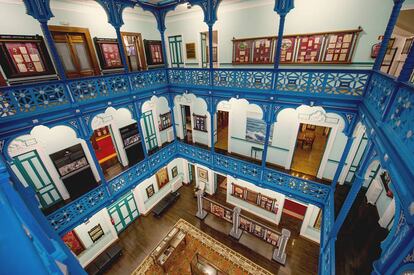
{"points": [[222, 130], [149, 128], [186, 119], [310, 148], [205, 49]]}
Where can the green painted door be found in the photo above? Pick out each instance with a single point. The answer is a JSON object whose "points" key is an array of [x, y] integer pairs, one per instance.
{"points": [[175, 45], [204, 60], [34, 173], [123, 212], [151, 136]]}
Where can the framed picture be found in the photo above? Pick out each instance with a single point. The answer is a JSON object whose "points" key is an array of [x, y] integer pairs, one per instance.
{"points": [[23, 56], [242, 51], [150, 191], [200, 123], [262, 50], [271, 237], [108, 53], [190, 50], [162, 177], [228, 215], [174, 171], [238, 191], [96, 233], [256, 130], [245, 224], [217, 210], [202, 174], [153, 52], [165, 121], [407, 45], [252, 196]]}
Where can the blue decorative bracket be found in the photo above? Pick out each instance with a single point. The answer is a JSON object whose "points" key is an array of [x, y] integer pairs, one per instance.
{"points": [[39, 9], [282, 7]]}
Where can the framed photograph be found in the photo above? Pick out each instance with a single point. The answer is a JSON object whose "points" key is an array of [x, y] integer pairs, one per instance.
{"points": [[174, 171], [153, 52], [271, 237], [266, 203], [190, 50], [108, 53], [228, 215], [23, 56], [245, 224], [256, 130], [96, 233], [162, 177], [252, 196], [200, 123], [217, 210], [238, 191], [165, 121], [262, 50], [242, 51], [202, 174], [150, 191]]}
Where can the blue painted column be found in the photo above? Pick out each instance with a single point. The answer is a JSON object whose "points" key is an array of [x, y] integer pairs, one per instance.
{"points": [[269, 122], [137, 111], [210, 51], [121, 49], [408, 67], [52, 47], [387, 34], [282, 7], [345, 154], [164, 48], [356, 186], [84, 135], [171, 106], [212, 112]]}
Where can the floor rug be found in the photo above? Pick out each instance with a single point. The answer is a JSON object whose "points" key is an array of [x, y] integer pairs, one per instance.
{"points": [[215, 252]]}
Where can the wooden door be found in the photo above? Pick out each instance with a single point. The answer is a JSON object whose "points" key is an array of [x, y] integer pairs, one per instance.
{"points": [[75, 49], [34, 173], [134, 51]]}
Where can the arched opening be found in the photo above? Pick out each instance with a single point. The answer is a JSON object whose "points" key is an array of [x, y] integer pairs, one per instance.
{"points": [[53, 162]]}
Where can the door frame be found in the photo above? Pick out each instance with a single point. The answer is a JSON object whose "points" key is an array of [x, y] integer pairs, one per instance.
{"points": [[141, 49], [147, 139], [178, 50], [85, 32], [115, 206]]}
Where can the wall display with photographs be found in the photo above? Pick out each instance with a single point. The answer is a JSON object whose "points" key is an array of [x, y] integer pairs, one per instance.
{"points": [[73, 242], [242, 51], [337, 47], [96, 233], [153, 52], [262, 50], [255, 198], [252, 196], [200, 123], [162, 177], [165, 121], [309, 48], [108, 53], [174, 171], [132, 143], [150, 191], [190, 50], [259, 230], [73, 167], [218, 210], [24, 55], [238, 191], [202, 174]]}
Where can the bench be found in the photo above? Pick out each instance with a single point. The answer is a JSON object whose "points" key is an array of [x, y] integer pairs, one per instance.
{"points": [[104, 260], [165, 203]]}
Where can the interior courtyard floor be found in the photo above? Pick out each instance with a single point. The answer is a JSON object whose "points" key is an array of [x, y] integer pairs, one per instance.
{"points": [[141, 237]]}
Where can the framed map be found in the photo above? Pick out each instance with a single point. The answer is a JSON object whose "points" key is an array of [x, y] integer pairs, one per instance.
{"points": [[108, 53]]}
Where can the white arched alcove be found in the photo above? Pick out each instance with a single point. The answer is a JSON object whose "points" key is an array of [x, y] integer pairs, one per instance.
{"points": [[114, 119]]}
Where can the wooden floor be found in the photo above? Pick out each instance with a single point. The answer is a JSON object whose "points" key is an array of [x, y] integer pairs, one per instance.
{"points": [[141, 237]]}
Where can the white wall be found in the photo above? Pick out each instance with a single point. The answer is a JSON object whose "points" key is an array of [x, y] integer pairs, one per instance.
{"points": [[307, 230], [249, 18]]}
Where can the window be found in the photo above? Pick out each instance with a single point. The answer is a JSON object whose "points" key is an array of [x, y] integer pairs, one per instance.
{"points": [[75, 49], [175, 43]]}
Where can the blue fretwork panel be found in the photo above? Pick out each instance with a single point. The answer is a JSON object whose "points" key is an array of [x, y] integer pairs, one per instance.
{"points": [[232, 165], [195, 153], [32, 98], [301, 187], [351, 84], [317, 80], [378, 94], [292, 81], [196, 77], [69, 215], [148, 78], [176, 76], [250, 79], [401, 117], [128, 178], [259, 80], [162, 157]]}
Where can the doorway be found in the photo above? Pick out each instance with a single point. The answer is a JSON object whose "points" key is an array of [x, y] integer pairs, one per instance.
{"points": [[134, 51], [149, 126], [310, 147], [186, 119], [35, 174], [123, 212], [205, 49], [176, 56], [222, 130], [75, 49], [106, 152], [221, 184], [191, 173]]}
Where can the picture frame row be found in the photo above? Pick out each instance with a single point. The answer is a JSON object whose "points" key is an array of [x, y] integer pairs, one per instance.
{"points": [[255, 198], [313, 48]]}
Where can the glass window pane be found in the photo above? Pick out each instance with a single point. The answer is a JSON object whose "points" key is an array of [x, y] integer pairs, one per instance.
{"points": [[65, 56], [83, 56]]}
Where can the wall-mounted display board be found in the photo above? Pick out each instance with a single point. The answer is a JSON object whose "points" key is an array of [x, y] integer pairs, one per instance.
{"points": [[153, 52], [200, 123], [218, 210], [190, 50], [96, 233], [259, 230], [324, 47], [165, 121], [73, 167], [407, 45], [108, 53], [23, 56], [132, 143], [162, 177], [254, 198]]}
